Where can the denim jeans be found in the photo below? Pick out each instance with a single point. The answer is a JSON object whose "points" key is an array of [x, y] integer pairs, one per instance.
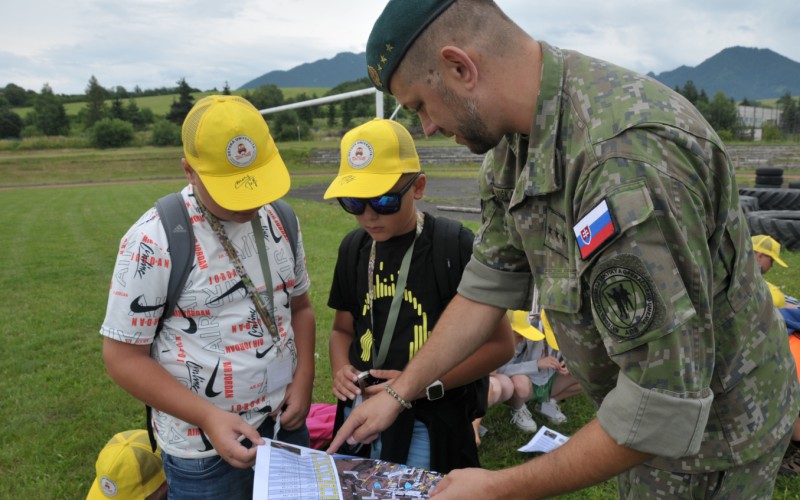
{"points": [[213, 478]]}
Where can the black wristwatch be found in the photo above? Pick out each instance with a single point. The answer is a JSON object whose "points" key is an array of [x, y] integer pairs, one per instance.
{"points": [[435, 391]]}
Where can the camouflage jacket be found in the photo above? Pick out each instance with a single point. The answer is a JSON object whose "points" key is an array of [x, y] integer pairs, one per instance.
{"points": [[622, 207]]}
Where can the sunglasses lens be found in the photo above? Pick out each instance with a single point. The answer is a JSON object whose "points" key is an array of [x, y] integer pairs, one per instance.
{"points": [[386, 204], [353, 206]]}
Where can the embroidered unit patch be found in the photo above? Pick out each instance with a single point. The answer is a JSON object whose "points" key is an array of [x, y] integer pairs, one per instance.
{"points": [[624, 301], [594, 229]]}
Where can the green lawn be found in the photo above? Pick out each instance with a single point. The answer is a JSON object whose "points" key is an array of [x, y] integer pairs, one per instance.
{"points": [[58, 406], [160, 104]]}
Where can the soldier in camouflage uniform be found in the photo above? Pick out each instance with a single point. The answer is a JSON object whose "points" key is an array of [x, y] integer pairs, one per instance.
{"points": [[614, 197]]}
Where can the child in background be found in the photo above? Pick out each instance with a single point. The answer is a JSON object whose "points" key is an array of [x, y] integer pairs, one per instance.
{"points": [[535, 373], [387, 300]]}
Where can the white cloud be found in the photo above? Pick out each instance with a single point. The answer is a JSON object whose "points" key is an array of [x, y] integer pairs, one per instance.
{"points": [[153, 43]]}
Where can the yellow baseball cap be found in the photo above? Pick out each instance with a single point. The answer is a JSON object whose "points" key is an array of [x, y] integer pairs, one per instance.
{"points": [[373, 157], [768, 246], [127, 468], [227, 142], [520, 324]]}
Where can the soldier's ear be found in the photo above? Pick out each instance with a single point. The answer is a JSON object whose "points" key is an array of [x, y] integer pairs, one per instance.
{"points": [[458, 68]]}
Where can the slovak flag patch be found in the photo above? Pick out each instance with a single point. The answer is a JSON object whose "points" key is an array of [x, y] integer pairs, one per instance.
{"points": [[594, 229]]}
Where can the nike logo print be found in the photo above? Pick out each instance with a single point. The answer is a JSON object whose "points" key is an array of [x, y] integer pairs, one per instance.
{"points": [[260, 354], [192, 323], [210, 392], [137, 307], [276, 237], [206, 442], [216, 301], [288, 297]]}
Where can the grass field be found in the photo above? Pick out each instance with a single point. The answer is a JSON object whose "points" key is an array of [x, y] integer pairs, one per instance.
{"points": [[58, 405], [160, 104]]}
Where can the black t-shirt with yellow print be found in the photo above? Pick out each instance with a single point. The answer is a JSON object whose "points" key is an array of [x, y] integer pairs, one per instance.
{"points": [[448, 420], [421, 305]]}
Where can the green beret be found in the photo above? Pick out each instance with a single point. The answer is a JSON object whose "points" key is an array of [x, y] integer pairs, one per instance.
{"points": [[400, 23]]}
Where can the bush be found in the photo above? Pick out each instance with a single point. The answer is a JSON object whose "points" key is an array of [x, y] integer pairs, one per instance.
{"points": [[166, 133], [111, 133]]}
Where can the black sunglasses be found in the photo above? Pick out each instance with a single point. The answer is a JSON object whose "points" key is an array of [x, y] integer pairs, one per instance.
{"points": [[385, 204]]}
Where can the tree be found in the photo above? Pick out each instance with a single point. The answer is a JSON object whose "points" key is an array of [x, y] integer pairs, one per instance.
{"points": [[226, 90], [722, 113], [331, 115], [689, 91], [286, 126], [112, 133], [265, 96], [10, 122], [180, 108], [790, 114], [49, 115], [16, 95], [95, 102], [118, 110], [139, 118]]}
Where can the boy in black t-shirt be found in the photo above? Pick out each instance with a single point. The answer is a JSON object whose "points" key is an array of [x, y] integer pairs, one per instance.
{"points": [[387, 299]]}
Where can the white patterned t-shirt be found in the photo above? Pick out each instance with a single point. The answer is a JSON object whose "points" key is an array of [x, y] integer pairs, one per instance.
{"points": [[215, 342]]}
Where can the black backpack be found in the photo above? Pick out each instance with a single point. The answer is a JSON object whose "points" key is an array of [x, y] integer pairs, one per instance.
{"points": [[180, 245]]}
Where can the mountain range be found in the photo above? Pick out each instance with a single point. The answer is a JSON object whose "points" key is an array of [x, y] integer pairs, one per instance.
{"points": [[739, 72]]}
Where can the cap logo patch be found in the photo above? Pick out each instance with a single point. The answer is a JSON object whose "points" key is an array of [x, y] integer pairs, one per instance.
{"points": [[624, 301], [376, 79], [360, 155], [108, 486], [241, 151], [247, 182]]}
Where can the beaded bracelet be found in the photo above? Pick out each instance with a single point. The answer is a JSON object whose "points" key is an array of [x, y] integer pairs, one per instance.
{"points": [[405, 404]]}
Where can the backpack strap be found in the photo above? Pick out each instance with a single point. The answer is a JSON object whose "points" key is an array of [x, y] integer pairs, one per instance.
{"points": [[447, 259], [288, 221], [180, 244], [352, 244]]}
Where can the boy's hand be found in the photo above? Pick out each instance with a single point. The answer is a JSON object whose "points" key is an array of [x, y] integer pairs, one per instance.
{"points": [[223, 429], [345, 383], [294, 408]]}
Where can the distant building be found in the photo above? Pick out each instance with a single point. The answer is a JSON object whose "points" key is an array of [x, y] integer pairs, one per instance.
{"points": [[754, 117]]}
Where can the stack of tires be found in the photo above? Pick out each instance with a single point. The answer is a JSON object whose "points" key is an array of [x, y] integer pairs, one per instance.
{"points": [[771, 209]]}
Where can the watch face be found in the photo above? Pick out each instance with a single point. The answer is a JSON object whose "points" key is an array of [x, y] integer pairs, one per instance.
{"points": [[435, 391]]}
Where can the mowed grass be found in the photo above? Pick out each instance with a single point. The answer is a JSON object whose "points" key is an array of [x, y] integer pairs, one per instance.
{"points": [[58, 406], [160, 104]]}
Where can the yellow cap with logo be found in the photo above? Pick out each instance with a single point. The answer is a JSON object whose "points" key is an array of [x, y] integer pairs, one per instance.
{"points": [[127, 468], [227, 142], [373, 157]]}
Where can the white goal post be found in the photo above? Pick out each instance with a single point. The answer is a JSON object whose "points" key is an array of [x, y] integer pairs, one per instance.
{"points": [[335, 98]]}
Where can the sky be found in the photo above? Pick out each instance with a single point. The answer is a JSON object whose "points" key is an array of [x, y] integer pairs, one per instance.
{"points": [[155, 43]]}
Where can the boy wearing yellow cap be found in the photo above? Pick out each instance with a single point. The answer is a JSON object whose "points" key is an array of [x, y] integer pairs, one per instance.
{"points": [[127, 468], [235, 361], [387, 305]]}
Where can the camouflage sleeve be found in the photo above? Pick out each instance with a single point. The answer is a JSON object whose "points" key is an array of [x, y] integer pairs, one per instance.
{"points": [[651, 292], [498, 273]]}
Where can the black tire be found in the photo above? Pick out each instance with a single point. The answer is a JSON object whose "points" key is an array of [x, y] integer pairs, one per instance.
{"points": [[748, 203], [770, 171], [774, 199], [783, 225], [769, 180], [794, 184]]}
